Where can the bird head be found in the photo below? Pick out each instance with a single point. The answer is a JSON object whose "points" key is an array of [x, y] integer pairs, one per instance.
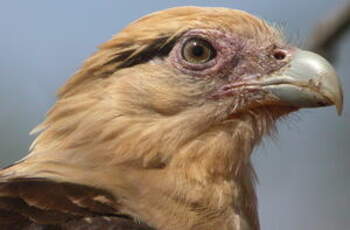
{"points": [[190, 57], [176, 74]]}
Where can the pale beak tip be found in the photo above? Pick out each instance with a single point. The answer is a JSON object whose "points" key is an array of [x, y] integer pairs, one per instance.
{"points": [[323, 75], [339, 104], [333, 90]]}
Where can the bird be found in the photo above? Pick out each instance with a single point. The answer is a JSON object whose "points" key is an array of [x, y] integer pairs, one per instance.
{"points": [[157, 127]]}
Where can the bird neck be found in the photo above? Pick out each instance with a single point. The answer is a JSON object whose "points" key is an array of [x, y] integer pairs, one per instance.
{"points": [[189, 169], [207, 180]]}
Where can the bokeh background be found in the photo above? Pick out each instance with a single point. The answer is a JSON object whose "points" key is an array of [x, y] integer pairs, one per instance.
{"points": [[303, 173]]}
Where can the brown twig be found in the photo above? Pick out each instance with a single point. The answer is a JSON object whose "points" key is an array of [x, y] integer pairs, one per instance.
{"points": [[329, 32]]}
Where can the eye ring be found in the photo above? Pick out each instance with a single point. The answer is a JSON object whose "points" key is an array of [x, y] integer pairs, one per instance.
{"points": [[197, 51]]}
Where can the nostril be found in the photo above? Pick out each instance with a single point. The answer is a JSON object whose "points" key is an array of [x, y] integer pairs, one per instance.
{"points": [[279, 54]]}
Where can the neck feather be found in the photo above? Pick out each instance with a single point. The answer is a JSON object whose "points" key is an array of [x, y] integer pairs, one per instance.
{"points": [[202, 164]]}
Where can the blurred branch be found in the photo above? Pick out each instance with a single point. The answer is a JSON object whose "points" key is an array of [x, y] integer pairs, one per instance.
{"points": [[329, 32]]}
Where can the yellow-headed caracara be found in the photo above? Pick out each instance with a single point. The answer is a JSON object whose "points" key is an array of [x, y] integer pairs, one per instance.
{"points": [[155, 131]]}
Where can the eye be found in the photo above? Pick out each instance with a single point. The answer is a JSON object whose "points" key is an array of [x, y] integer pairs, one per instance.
{"points": [[198, 51]]}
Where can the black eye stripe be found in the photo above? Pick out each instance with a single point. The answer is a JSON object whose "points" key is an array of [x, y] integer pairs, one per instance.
{"points": [[160, 47]]}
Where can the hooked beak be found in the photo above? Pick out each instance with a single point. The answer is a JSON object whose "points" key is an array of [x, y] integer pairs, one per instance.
{"points": [[308, 81]]}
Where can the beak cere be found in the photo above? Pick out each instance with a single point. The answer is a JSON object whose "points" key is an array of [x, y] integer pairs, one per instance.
{"points": [[308, 81]]}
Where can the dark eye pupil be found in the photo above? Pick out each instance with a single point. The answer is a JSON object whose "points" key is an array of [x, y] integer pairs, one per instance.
{"points": [[197, 50]]}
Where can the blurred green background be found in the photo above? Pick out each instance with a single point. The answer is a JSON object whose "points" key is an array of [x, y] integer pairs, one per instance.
{"points": [[303, 173]]}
